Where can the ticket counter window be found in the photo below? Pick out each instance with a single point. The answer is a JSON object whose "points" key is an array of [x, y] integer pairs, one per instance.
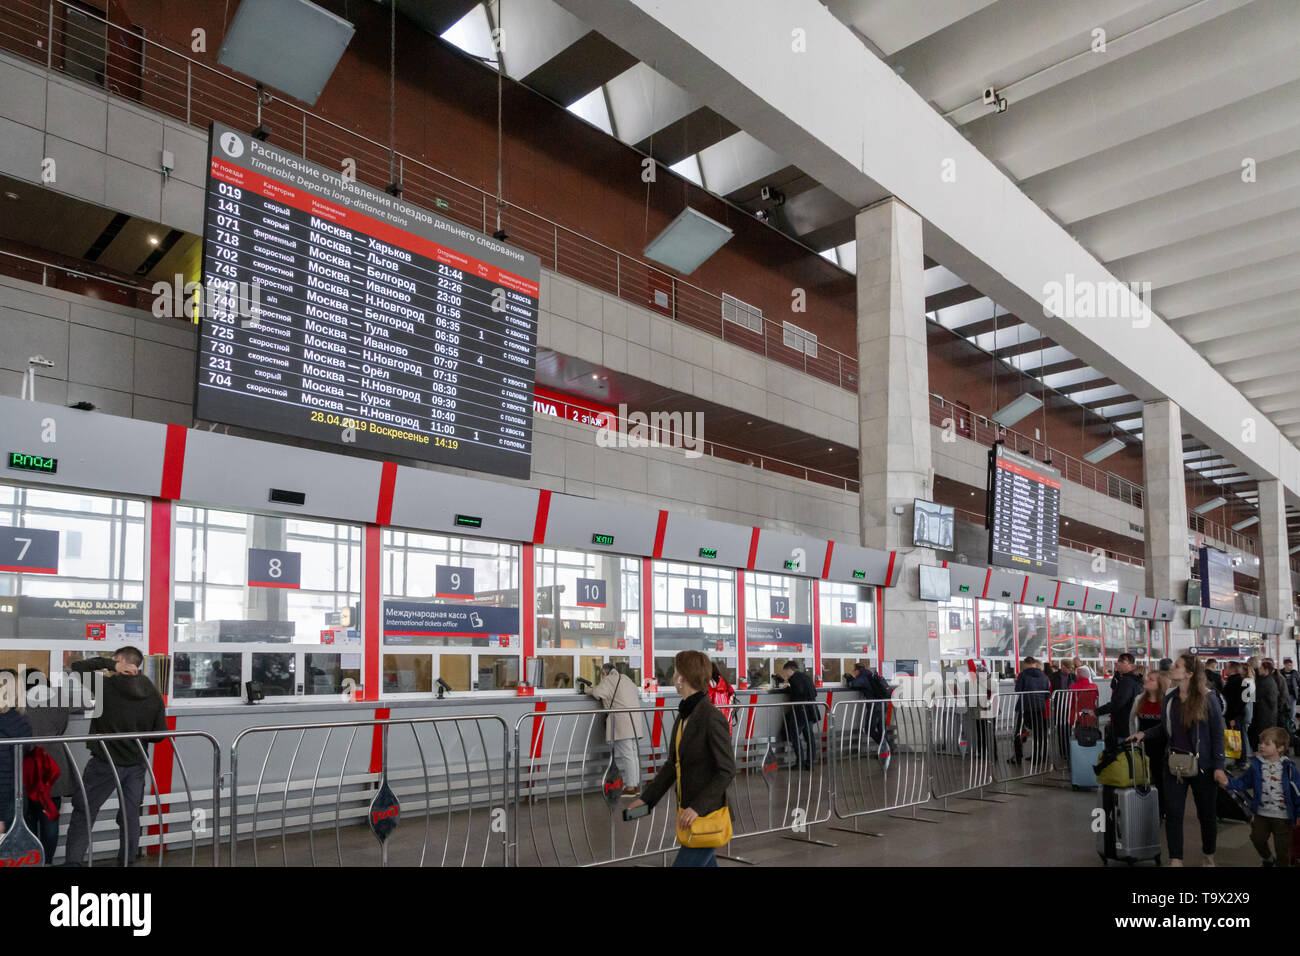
{"points": [[269, 589], [957, 629], [848, 627], [998, 634], [451, 610], [778, 625], [1031, 624], [1089, 635], [588, 612], [1114, 640], [1062, 634], [76, 575], [694, 610], [1137, 639]]}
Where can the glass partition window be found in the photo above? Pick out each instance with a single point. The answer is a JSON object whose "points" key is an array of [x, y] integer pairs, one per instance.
{"points": [[1061, 641], [266, 598], [587, 600], [1089, 632], [847, 614], [1032, 628], [957, 628], [450, 613], [73, 578], [778, 624], [694, 610], [1114, 639], [997, 623]]}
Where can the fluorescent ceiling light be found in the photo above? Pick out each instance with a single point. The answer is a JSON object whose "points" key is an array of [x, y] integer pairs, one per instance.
{"points": [[1008, 415], [1104, 450], [687, 241], [1245, 524], [1210, 505], [292, 45]]}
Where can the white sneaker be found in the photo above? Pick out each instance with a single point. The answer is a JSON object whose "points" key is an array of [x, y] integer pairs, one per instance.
{"points": [[1209, 861], [1175, 862]]}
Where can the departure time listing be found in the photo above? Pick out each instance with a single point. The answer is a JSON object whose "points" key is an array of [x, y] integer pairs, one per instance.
{"points": [[362, 332]]}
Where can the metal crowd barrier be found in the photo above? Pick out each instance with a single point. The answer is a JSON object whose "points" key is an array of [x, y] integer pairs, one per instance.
{"points": [[568, 783], [880, 757], [412, 792], [169, 819], [1065, 708], [963, 755], [1022, 736]]}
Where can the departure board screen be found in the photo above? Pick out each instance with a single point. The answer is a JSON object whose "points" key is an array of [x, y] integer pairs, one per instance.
{"points": [[337, 312], [1024, 512]]}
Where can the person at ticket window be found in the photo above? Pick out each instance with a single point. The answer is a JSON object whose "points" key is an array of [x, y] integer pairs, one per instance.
{"points": [[131, 705]]}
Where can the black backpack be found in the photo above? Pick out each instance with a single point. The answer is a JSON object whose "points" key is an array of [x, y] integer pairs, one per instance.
{"points": [[879, 687]]}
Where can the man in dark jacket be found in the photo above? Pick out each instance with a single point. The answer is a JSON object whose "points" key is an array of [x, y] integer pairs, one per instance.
{"points": [[799, 724], [873, 688], [1234, 709], [13, 723], [1033, 689], [130, 704], [1292, 678], [1266, 703], [1125, 687], [1213, 677]]}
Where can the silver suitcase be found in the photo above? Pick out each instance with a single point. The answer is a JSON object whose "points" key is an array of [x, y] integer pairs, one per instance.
{"points": [[1132, 825]]}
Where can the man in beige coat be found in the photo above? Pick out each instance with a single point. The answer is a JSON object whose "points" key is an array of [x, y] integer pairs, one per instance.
{"points": [[616, 691]]}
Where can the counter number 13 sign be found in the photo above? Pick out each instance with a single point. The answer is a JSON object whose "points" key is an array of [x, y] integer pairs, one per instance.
{"points": [[274, 569]]}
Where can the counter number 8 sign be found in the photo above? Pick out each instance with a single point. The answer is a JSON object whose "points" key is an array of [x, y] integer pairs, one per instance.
{"points": [[274, 569]]}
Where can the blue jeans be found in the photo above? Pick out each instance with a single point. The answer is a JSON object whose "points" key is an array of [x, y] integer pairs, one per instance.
{"points": [[696, 856], [46, 830]]}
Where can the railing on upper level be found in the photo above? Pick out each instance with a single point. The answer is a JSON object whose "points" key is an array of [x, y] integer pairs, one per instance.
{"points": [[967, 424], [64, 37]]}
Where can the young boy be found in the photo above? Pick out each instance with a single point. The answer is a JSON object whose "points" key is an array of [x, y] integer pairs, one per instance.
{"points": [[1274, 783]]}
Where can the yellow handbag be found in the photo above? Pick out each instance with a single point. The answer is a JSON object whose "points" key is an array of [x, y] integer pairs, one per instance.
{"points": [[1232, 744], [706, 832]]}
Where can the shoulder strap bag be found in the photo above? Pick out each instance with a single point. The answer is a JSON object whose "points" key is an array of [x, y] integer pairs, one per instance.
{"points": [[705, 832], [1184, 766]]}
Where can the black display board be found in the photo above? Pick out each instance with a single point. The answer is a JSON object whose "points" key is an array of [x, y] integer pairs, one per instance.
{"points": [[374, 324], [1024, 512], [1217, 586]]}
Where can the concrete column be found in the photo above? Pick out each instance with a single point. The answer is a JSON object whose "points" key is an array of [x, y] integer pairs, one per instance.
{"points": [[1164, 504], [1274, 562], [894, 415]]}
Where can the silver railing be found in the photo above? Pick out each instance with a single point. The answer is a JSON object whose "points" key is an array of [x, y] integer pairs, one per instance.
{"points": [[414, 792]]}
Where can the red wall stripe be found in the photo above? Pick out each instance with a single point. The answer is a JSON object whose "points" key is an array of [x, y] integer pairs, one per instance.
{"points": [[880, 626], [1024, 591], [543, 511], [160, 578], [647, 622], [889, 572], [539, 730], [173, 462], [826, 565], [377, 741], [1112, 604], [1057, 596], [988, 576], [1086, 605], [826, 721], [817, 632], [753, 550], [528, 608], [371, 636], [660, 531], [742, 676], [387, 485], [161, 762]]}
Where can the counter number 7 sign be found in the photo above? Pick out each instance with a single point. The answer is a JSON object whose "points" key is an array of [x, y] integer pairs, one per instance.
{"points": [[29, 550]]}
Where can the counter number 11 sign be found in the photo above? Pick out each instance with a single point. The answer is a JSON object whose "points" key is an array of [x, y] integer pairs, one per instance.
{"points": [[274, 569]]}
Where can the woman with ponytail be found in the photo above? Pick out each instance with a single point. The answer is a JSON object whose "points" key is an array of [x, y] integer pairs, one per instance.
{"points": [[1192, 733]]}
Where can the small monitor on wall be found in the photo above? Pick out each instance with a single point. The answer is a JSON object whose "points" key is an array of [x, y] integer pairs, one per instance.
{"points": [[932, 525], [936, 583]]}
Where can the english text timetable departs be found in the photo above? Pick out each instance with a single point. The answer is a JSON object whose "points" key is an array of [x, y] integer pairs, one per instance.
{"points": [[380, 325], [1025, 510]]}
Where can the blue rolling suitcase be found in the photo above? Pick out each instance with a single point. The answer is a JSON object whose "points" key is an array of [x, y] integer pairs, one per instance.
{"points": [[1082, 761]]}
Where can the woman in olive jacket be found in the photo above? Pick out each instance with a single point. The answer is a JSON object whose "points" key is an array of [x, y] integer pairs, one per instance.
{"points": [[708, 764]]}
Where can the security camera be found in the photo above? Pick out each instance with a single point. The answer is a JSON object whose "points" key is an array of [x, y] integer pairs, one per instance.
{"points": [[443, 687], [772, 194], [40, 361], [990, 96]]}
